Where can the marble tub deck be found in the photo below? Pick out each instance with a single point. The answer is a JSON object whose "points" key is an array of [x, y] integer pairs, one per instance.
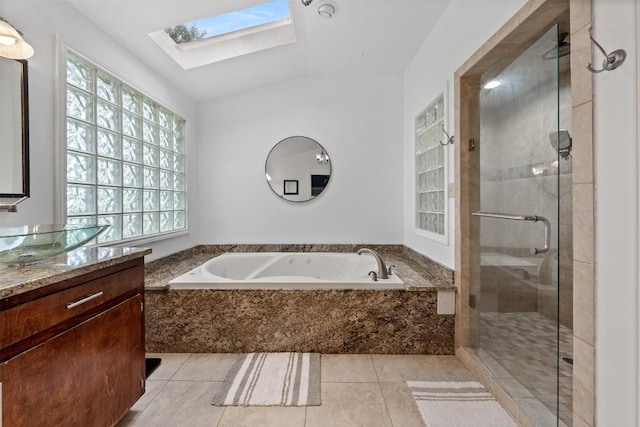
{"points": [[326, 321], [415, 270]]}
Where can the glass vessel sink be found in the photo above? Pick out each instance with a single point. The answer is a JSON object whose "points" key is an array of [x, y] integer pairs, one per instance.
{"points": [[28, 244]]}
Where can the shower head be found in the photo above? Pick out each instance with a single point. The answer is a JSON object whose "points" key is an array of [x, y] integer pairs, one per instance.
{"points": [[561, 49], [561, 141], [564, 49]]}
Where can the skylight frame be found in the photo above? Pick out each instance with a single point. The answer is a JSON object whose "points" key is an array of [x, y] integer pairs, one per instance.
{"points": [[264, 13], [257, 29], [228, 45]]}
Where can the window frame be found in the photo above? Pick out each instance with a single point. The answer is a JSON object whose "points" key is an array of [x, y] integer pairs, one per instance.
{"points": [[442, 138], [61, 165]]}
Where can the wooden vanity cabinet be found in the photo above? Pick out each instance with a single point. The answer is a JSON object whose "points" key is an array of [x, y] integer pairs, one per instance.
{"points": [[73, 352]]}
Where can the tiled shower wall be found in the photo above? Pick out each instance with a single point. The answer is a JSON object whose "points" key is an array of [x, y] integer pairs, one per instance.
{"points": [[583, 216]]}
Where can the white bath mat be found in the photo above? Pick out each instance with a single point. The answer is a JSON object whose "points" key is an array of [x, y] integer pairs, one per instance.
{"points": [[272, 379], [458, 404]]}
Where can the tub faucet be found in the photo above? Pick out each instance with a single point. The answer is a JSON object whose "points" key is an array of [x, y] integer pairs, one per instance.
{"points": [[382, 269]]}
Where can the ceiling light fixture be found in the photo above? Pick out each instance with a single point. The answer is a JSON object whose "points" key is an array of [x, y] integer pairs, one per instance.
{"points": [[12, 45], [322, 157], [492, 84]]}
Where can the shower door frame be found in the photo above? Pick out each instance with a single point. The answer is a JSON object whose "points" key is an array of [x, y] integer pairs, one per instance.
{"points": [[530, 23]]}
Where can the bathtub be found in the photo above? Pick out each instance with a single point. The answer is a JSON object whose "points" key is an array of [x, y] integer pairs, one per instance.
{"points": [[286, 270]]}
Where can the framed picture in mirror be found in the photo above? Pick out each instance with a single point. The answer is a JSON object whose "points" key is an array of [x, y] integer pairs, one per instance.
{"points": [[291, 186]]}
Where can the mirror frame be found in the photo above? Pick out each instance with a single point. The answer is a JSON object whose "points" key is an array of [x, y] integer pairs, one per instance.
{"points": [[24, 86]]}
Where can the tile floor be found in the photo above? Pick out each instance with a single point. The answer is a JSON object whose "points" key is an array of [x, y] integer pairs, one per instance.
{"points": [[524, 345], [357, 390]]}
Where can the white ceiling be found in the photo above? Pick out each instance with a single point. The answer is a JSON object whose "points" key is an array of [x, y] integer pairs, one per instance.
{"points": [[364, 37]]}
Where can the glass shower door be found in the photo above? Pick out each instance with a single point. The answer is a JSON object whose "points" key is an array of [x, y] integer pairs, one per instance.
{"points": [[524, 167]]}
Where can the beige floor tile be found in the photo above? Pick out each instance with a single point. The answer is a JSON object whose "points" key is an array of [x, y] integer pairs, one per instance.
{"points": [[274, 416], [182, 404], [152, 388], [206, 367], [515, 388], [449, 368], [402, 408], [348, 398], [393, 368], [349, 404], [347, 368], [169, 365], [539, 413], [495, 368]]}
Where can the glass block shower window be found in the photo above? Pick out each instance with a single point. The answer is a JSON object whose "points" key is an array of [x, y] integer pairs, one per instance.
{"points": [[430, 170], [125, 157]]}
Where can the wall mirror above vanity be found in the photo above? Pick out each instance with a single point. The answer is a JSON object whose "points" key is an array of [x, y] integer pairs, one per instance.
{"points": [[14, 129], [298, 169]]}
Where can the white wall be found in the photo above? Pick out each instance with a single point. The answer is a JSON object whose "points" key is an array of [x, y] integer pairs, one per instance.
{"points": [[463, 27], [357, 121], [40, 21], [616, 234]]}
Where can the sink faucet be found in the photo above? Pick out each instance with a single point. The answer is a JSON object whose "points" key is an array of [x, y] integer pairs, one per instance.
{"points": [[382, 269]]}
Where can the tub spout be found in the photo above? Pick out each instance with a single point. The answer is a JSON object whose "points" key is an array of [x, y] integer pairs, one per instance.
{"points": [[382, 269]]}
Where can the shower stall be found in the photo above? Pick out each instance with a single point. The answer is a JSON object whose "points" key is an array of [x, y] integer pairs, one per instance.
{"points": [[523, 299]]}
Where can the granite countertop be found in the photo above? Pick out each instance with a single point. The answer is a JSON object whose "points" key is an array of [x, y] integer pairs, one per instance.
{"points": [[408, 266], [18, 279]]}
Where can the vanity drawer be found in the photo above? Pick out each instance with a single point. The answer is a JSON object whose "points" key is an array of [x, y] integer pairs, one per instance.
{"points": [[28, 319]]}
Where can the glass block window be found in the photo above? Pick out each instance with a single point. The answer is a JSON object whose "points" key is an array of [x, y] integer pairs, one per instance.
{"points": [[125, 157], [430, 170]]}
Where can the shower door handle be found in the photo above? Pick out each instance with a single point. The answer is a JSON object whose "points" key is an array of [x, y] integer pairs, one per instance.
{"points": [[529, 218]]}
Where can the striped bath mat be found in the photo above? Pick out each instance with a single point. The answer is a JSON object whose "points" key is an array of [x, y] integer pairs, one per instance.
{"points": [[272, 379], [458, 404]]}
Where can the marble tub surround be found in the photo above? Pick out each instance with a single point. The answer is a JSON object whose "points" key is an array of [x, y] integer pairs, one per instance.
{"points": [[415, 270], [323, 321], [15, 280]]}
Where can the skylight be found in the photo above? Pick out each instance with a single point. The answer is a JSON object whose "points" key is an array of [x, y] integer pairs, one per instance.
{"points": [[228, 35], [226, 23]]}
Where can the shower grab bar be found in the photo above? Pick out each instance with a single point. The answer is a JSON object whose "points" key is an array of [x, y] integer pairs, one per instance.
{"points": [[529, 218]]}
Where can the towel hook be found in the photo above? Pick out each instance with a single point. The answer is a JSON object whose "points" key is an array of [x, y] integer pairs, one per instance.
{"points": [[450, 139], [611, 61]]}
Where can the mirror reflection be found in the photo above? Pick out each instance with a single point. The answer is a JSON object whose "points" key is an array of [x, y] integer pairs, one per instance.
{"points": [[14, 174], [298, 169]]}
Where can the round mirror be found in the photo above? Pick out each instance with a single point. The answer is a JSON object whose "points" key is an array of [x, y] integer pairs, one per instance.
{"points": [[298, 169]]}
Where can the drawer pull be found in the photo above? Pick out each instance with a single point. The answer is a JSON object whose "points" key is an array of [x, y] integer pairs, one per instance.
{"points": [[83, 300]]}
